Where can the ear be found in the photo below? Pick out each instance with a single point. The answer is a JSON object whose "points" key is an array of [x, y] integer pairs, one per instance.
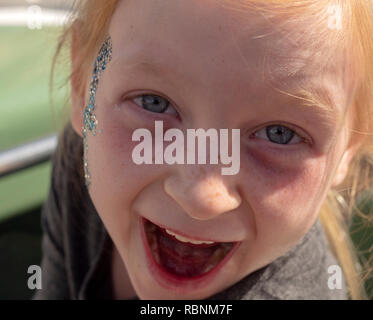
{"points": [[77, 97], [343, 166]]}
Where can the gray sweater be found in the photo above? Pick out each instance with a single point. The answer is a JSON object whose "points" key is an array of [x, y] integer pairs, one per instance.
{"points": [[77, 248]]}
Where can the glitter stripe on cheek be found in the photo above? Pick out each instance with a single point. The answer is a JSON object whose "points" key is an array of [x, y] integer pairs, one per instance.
{"points": [[90, 120]]}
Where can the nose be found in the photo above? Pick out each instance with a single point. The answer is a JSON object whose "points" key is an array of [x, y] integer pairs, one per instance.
{"points": [[203, 193]]}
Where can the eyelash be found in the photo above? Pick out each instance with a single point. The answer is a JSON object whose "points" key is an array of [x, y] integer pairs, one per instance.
{"points": [[255, 134]]}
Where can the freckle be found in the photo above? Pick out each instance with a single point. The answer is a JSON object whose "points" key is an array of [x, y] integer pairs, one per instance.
{"points": [[217, 194]]}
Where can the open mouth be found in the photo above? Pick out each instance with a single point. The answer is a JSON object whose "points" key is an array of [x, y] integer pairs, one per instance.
{"points": [[184, 257]]}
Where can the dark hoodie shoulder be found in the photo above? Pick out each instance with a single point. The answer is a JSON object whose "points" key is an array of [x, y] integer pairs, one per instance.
{"points": [[302, 273], [73, 234]]}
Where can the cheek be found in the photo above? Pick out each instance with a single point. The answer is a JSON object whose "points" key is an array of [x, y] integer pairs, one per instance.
{"points": [[284, 198], [116, 179]]}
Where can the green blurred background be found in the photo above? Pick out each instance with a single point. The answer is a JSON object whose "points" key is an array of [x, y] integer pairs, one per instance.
{"points": [[26, 114]]}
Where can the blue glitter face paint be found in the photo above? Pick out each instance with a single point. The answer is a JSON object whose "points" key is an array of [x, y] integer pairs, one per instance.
{"points": [[90, 120]]}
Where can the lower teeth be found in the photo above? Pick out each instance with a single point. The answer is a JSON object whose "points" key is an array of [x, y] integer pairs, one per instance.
{"points": [[217, 256]]}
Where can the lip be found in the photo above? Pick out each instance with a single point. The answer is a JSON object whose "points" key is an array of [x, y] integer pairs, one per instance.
{"points": [[181, 284]]}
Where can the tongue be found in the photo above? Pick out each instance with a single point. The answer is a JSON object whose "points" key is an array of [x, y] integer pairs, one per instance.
{"points": [[180, 258]]}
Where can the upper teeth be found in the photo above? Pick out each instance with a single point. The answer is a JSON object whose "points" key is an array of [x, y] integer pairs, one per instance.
{"points": [[184, 239]]}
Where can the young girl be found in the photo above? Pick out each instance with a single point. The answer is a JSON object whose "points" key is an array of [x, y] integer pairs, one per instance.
{"points": [[295, 77]]}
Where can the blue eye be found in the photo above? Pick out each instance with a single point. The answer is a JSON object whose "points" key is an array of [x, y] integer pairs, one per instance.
{"points": [[154, 103], [278, 134]]}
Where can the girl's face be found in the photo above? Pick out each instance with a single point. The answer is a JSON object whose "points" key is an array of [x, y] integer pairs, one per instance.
{"points": [[204, 64]]}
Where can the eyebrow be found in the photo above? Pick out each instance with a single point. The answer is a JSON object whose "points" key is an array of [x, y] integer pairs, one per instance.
{"points": [[315, 97], [154, 67]]}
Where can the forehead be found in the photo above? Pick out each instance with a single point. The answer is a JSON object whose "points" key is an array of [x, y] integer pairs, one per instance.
{"points": [[207, 41]]}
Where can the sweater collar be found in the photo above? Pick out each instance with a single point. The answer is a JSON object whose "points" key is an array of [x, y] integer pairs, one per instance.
{"points": [[301, 273]]}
